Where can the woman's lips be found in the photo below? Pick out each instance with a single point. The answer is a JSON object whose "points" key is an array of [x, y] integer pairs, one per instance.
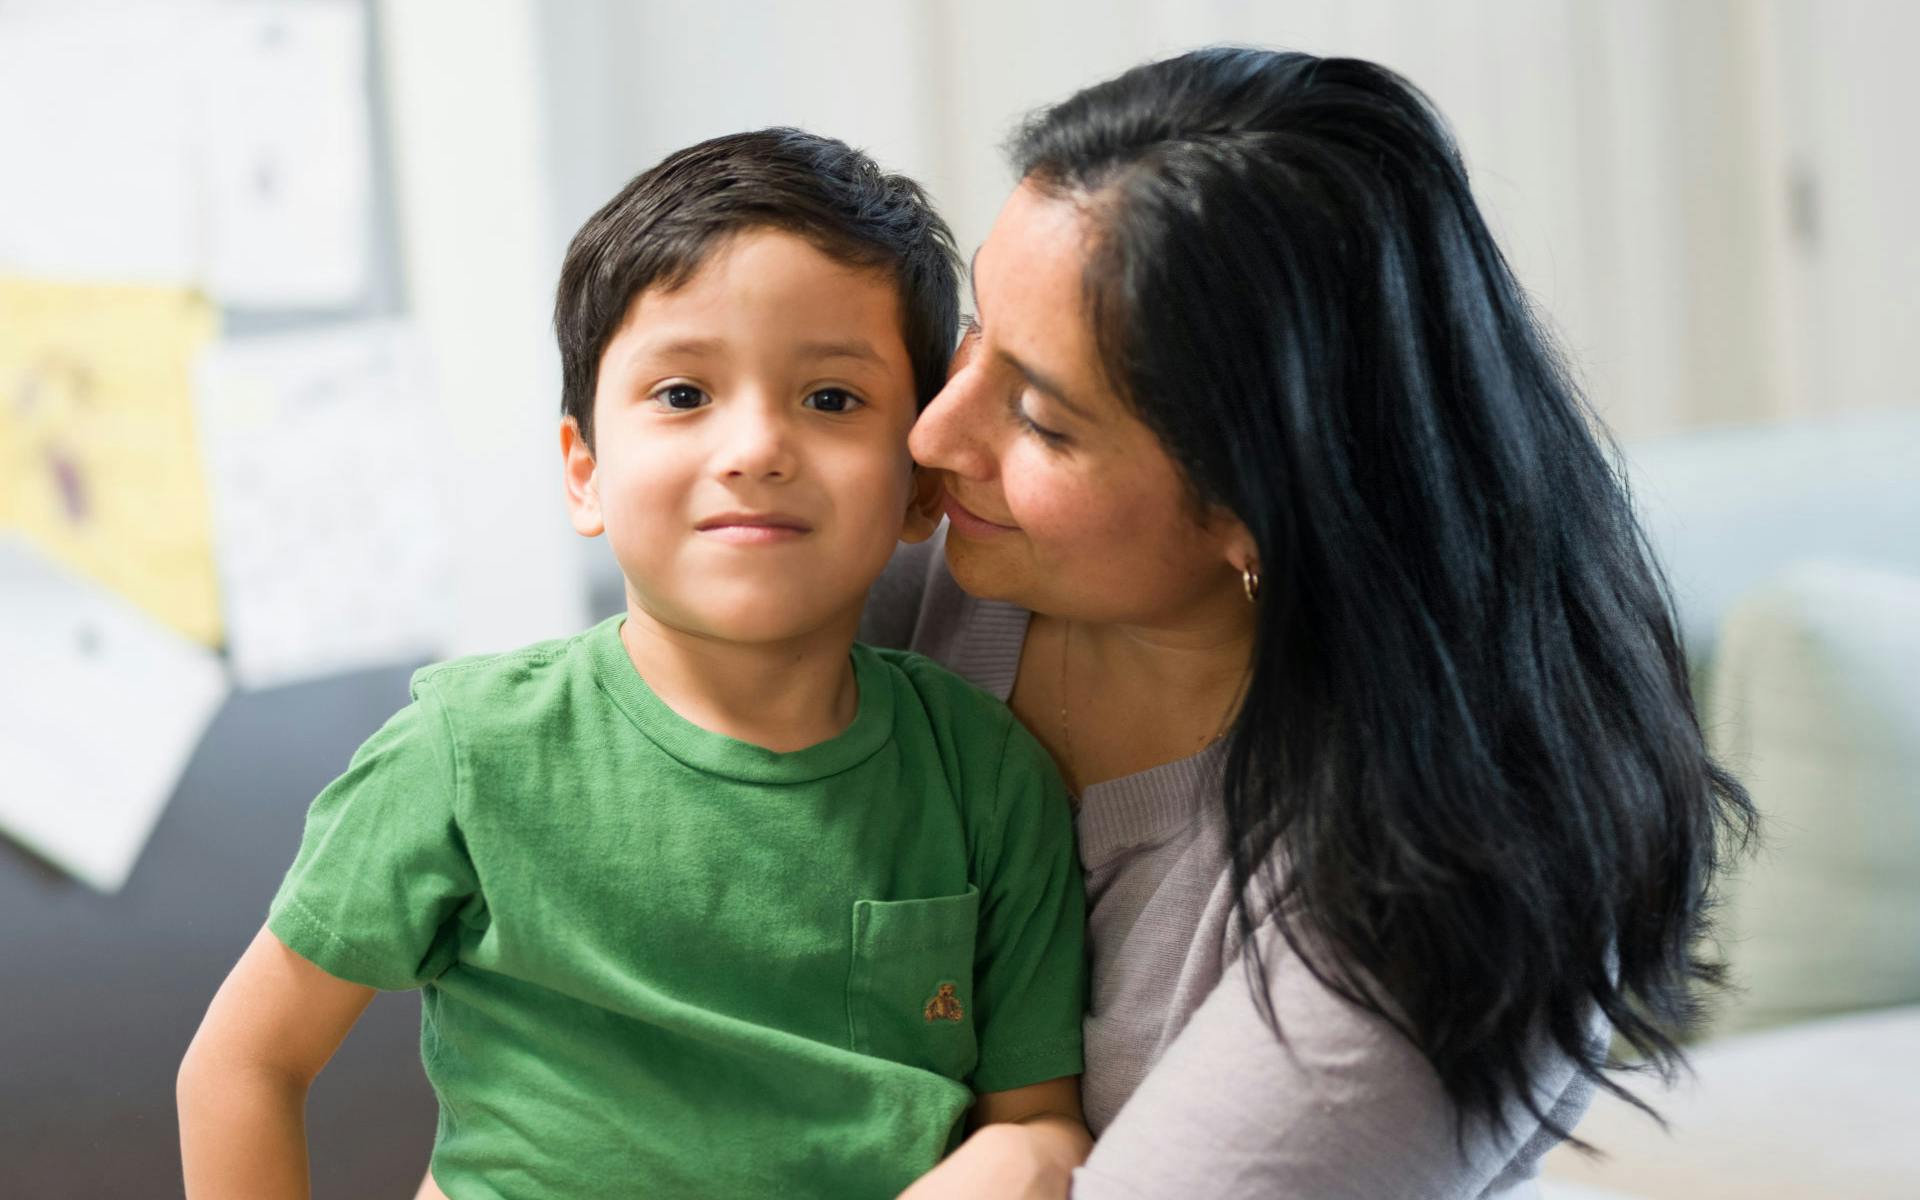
{"points": [[970, 524]]}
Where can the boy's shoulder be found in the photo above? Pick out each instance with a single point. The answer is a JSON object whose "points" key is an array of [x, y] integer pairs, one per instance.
{"points": [[1000, 774], [533, 676], [959, 712], [955, 696]]}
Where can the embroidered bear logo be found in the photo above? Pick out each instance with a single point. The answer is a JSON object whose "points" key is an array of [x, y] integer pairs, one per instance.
{"points": [[945, 1006]]}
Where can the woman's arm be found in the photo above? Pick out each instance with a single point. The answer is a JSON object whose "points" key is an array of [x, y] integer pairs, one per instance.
{"points": [[1344, 1109], [242, 1088], [1025, 1145]]}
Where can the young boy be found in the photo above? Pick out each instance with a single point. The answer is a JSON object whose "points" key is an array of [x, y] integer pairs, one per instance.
{"points": [[707, 900]]}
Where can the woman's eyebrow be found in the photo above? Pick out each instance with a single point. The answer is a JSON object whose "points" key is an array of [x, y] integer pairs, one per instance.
{"points": [[1046, 385], [1041, 382]]}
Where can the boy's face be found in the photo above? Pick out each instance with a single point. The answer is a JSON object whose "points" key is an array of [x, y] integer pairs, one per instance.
{"points": [[750, 464]]}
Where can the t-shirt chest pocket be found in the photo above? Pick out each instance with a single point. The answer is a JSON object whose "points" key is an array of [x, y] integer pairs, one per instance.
{"points": [[910, 993]]}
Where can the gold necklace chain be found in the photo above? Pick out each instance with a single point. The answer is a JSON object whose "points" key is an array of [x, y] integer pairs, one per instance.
{"points": [[1066, 719]]}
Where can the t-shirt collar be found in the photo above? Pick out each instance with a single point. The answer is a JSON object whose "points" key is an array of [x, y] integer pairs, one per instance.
{"points": [[717, 754]]}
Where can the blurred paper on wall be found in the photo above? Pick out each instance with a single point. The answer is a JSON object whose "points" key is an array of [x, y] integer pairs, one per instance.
{"points": [[286, 130], [98, 141], [100, 708], [220, 144], [327, 501], [99, 457]]}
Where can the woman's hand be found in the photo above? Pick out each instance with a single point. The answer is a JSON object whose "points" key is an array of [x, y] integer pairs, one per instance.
{"points": [[1028, 1142], [1014, 1162]]}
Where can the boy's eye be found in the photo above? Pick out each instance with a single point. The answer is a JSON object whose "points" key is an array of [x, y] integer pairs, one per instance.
{"points": [[681, 396], [833, 400]]}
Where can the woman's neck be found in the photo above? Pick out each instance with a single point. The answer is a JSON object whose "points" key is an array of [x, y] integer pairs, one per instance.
{"points": [[783, 696], [1112, 699]]}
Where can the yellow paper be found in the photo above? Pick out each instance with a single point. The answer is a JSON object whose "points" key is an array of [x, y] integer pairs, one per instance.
{"points": [[99, 456]]}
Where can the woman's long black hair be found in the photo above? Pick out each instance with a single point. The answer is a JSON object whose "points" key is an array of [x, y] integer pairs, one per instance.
{"points": [[1467, 769]]}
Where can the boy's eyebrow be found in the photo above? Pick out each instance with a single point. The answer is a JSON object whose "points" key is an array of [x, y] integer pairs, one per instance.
{"points": [[678, 346], [1041, 382], [858, 348]]}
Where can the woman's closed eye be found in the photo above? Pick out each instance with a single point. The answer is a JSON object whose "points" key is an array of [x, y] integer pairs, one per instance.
{"points": [[1053, 438], [833, 400]]}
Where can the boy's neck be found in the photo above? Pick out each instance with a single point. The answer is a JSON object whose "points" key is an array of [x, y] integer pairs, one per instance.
{"points": [[783, 696]]}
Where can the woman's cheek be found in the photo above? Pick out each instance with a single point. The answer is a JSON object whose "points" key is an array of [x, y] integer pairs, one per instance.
{"points": [[1029, 490], [1051, 503]]}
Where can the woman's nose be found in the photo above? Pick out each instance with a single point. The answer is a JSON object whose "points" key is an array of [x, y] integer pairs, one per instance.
{"points": [[950, 433]]}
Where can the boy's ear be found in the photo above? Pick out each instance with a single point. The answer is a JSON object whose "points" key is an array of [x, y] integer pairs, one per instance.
{"points": [[583, 484], [923, 506]]}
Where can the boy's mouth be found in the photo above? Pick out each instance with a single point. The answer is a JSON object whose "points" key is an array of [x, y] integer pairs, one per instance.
{"points": [[754, 527]]}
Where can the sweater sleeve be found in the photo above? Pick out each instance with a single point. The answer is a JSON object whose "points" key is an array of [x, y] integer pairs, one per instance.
{"points": [[1345, 1108], [893, 603]]}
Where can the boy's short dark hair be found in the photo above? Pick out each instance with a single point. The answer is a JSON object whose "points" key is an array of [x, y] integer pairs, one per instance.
{"points": [[663, 224]]}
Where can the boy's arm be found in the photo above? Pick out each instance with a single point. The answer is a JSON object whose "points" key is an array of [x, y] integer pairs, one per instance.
{"points": [[242, 1088], [1025, 1145]]}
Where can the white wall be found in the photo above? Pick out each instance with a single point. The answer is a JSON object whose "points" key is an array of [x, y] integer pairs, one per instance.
{"points": [[1650, 167], [1849, 101], [629, 82], [475, 213]]}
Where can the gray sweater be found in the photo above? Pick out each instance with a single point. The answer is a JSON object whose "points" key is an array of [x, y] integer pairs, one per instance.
{"points": [[1186, 1088]]}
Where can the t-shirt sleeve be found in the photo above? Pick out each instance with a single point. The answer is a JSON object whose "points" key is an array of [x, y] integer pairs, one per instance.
{"points": [[382, 871], [1030, 978]]}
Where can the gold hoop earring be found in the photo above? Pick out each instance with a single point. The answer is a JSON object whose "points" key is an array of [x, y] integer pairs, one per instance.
{"points": [[1250, 583]]}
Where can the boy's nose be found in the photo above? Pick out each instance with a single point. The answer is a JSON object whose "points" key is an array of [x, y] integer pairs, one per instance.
{"points": [[758, 445]]}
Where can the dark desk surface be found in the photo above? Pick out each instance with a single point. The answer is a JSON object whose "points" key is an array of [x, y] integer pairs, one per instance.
{"points": [[99, 995]]}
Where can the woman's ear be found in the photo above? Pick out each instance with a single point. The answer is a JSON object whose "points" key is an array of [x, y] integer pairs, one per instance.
{"points": [[583, 484], [1236, 543], [923, 505]]}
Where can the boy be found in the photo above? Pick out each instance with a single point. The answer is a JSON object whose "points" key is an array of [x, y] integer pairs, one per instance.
{"points": [[708, 900]]}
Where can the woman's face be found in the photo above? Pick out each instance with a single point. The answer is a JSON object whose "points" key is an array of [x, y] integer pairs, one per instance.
{"points": [[1058, 498]]}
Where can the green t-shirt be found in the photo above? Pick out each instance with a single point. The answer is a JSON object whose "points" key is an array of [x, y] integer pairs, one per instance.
{"points": [[658, 961]]}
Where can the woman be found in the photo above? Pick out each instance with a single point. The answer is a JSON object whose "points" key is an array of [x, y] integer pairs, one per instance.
{"points": [[1272, 513]]}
